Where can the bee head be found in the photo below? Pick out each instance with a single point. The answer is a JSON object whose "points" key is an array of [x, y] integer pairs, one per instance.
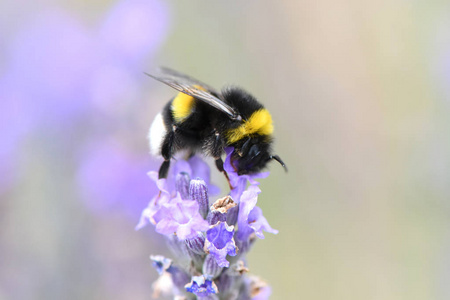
{"points": [[252, 156]]}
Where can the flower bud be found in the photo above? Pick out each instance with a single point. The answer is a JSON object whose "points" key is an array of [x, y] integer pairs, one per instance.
{"points": [[196, 244], [210, 267], [198, 191], [182, 184]]}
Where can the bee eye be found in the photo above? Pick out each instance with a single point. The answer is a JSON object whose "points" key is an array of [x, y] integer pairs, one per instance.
{"points": [[245, 148], [254, 151]]}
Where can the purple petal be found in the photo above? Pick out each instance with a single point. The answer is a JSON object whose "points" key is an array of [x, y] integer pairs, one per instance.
{"points": [[161, 183], [185, 231], [167, 227], [148, 214], [228, 167], [177, 167], [200, 169], [180, 217], [182, 166], [248, 202], [239, 182], [258, 223], [250, 217], [201, 287], [220, 243], [160, 263], [144, 220], [220, 234]]}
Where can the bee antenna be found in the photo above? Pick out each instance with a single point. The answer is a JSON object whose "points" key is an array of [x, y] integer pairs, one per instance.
{"points": [[278, 159]]}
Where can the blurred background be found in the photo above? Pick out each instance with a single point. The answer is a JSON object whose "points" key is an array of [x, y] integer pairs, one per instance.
{"points": [[360, 96]]}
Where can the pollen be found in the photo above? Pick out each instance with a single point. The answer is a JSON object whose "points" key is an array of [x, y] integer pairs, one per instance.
{"points": [[260, 122]]}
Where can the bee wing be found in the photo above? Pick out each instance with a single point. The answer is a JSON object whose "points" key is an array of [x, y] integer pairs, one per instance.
{"points": [[187, 85], [186, 79]]}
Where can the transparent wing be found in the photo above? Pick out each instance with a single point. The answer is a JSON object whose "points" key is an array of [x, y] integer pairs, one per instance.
{"points": [[187, 85], [186, 79]]}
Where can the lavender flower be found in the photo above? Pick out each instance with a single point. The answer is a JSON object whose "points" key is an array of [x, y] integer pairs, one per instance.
{"points": [[208, 247]]}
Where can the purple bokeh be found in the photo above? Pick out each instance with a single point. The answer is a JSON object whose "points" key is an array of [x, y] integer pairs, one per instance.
{"points": [[112, 177], [51, 61], [131, 29], [61, 75]]}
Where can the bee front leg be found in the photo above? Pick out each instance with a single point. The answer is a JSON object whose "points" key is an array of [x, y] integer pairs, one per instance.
{"points": [[219, 165], [166, 152], [217, 149], [164, 169]]}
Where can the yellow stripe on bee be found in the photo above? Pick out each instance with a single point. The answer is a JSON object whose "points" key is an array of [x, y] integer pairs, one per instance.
{"points": [[182, 105], [260, 122]]}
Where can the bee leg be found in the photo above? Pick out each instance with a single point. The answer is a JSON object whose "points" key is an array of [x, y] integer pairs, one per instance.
{"points": [[164, 169], [217, 151], [166, 152], [219, 165]]}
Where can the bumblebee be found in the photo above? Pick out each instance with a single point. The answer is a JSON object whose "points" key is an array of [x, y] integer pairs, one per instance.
{"points": [[200, 119]]}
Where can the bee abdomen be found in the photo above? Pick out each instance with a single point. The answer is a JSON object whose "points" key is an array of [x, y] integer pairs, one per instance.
{"points": [[156, 135]]}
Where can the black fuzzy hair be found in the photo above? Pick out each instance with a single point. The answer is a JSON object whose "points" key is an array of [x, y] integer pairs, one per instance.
{"points": [[241, 101]]}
